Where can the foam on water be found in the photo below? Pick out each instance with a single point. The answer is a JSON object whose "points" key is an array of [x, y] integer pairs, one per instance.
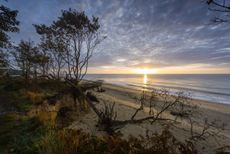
{"points": [[210, 87]]}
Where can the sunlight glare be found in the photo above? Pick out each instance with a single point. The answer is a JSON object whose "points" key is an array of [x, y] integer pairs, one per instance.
{"points": [[146, 71], [145, 79]]}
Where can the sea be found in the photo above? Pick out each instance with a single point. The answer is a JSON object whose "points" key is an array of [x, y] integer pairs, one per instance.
{"points": [[209, 87]]}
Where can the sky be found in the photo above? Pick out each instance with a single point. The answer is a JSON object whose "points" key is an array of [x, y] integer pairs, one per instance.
{"points": [[160, 36]]}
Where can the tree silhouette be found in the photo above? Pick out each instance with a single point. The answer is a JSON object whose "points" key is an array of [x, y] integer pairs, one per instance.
{"points": [[53, 46], [26, 56], [222, 7], [8, 23], [73, 38]]}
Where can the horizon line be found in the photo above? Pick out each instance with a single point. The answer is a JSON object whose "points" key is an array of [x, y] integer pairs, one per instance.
{"points": [[159, 74]]}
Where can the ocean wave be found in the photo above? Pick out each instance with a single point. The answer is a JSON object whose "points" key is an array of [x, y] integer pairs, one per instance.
{"points": [[178, 88]]}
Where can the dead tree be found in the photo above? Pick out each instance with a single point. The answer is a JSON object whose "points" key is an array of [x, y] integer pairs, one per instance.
{"points": [[142, 101], [156, 109], [167, 103], [208, 129], [221, 7], [107, 116]]}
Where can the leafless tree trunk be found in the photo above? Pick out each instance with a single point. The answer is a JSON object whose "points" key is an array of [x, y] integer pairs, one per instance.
{"points": [[56, 63], [222, 7], [168, 102], [78, 56]]}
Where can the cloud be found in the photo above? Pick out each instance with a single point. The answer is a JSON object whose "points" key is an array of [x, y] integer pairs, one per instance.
{"points": [[154, 33]]}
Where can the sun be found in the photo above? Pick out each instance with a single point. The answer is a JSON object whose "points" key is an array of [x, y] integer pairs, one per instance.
{"points": [[146, 71]]}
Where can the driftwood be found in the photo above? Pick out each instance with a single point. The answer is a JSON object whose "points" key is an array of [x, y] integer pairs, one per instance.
{"points": [[209, 129], [107, 117], [92, 97], [176, 105], [222, 10], [168, 103], [83, 96], [108, 122], [87, 85]]}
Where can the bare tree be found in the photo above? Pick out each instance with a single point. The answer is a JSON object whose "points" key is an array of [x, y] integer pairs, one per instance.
{"points": [[209, 129], [54, 48], [156, 109], [38, 60], [82, 36], [71, 41], [28, 58], [222, 7], [43, 59]]}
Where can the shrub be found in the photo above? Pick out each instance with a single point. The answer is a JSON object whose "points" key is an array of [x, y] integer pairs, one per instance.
{"points": [[27, 135], [72, 142], [35, 97]]}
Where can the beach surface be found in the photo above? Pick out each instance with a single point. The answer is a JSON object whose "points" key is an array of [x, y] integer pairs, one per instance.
{"points": [[126, 104]]}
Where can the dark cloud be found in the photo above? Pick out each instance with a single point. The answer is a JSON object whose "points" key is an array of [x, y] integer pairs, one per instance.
{"points": [[140, 32]]}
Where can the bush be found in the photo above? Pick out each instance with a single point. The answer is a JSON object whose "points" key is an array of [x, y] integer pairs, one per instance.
{"points": [[27, 134], [72, 142], [35, 97]]}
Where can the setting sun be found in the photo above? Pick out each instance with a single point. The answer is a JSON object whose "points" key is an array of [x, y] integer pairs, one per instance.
{"points": [[145, 71], [80, 72]]}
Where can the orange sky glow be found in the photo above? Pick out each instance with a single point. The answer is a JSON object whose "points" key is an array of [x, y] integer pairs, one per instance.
{"points": [[188, 69]]}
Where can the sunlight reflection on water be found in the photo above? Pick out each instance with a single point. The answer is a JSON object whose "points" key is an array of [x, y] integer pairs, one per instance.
{"points": [[210, 87], [145, 81]]}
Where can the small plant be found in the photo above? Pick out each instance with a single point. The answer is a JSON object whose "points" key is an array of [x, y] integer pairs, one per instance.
{"points": [[106, 118], [77, 141], [35, 97], [223, 150], [27, 135]]}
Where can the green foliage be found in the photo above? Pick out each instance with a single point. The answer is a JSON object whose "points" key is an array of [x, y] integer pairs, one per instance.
{"points": [[77, 23], [7, 125], [3, 60], [12, 95], [69, 42], [21, 135], [28, 134], [18, 133], [71, 141], [25, 54], [16, 96], [8, 24]]}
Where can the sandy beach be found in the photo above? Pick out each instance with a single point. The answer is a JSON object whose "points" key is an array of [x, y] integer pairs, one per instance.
{"points": [[125, 106]]}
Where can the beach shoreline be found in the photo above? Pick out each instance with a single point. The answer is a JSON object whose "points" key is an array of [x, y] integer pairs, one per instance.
{"points": [[209, 87], [125, 106], [141, 88]]}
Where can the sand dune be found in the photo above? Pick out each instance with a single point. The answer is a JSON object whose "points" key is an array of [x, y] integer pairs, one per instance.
{"points": [[125, 106]]}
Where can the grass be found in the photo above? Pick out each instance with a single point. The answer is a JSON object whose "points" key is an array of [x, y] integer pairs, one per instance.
{"points": [[17, 132], [6, 131], [20, 134], [23, 135], [16, 95], [76, 141], [28, 134]]}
